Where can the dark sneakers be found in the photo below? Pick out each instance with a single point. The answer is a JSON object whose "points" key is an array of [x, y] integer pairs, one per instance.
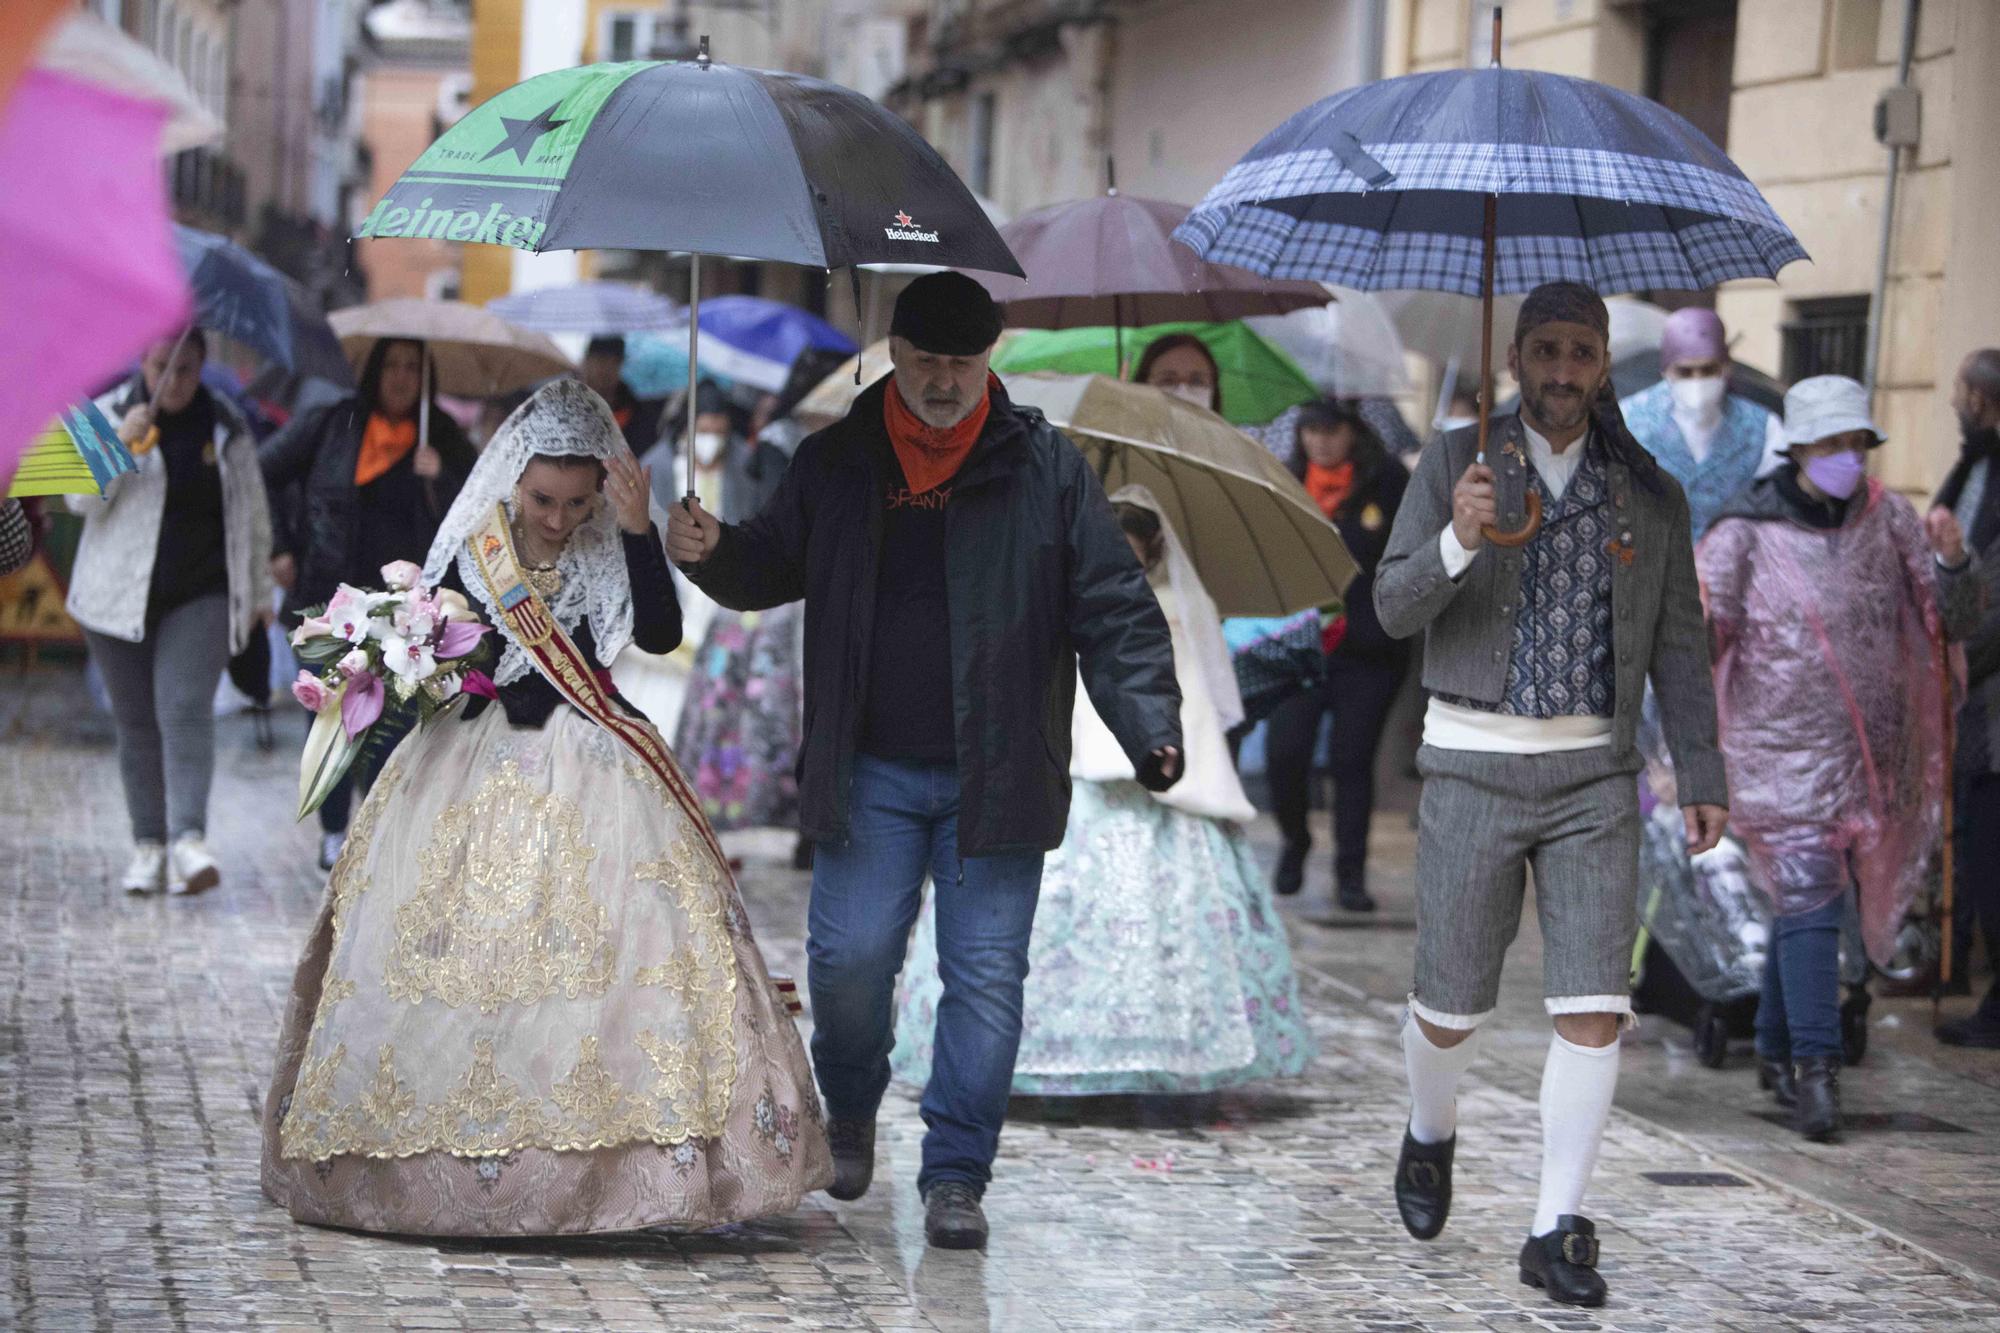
{"points": [[1980, 1029], [1564, 1262], [1423, 1185], [853, 1144], [953, 1219], [1290, 876]]}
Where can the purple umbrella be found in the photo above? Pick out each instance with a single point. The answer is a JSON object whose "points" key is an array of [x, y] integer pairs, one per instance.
{"points": [[1111, 260]]}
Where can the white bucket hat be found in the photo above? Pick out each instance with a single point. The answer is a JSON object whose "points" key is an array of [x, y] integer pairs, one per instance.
{"points": [[1827, 405]]}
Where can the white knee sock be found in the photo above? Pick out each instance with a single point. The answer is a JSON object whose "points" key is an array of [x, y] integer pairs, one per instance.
{"points": [[1434, 1072], [1577, 1084]]}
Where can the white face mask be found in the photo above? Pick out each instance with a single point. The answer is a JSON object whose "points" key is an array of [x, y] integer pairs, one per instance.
{"points": [[708, 446], [1199, 395], [1701, 398]]}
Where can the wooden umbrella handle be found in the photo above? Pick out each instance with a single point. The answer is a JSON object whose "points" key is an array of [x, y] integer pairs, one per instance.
{"points": [[1524, 534]]}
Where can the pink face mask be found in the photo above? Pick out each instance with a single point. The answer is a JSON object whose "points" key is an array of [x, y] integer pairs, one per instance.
{"points": [[1839, 475]]}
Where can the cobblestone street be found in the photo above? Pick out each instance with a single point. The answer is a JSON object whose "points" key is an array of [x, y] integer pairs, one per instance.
{"points": [[136, 1038]]}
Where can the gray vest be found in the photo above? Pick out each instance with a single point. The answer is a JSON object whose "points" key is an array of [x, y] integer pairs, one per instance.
{"points": [[1561, 661]]}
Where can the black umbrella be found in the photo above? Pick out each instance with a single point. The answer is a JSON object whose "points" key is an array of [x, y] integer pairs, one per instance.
{"points": [[697, 156]]}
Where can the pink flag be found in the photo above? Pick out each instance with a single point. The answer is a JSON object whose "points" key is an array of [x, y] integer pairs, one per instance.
{"points": [[88, 271]]}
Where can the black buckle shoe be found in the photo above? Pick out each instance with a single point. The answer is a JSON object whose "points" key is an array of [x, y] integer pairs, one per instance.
{"points": [[1775, 1077], [1564, 1262], [953, 1219], [853, 1145], [1423, 1185]]}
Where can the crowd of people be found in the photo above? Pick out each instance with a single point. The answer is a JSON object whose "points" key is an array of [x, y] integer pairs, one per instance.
{"points": [[997, 708]]}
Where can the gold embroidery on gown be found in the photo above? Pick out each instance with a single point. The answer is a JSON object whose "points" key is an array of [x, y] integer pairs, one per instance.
{"points": [[476, 930], [502, 912]]}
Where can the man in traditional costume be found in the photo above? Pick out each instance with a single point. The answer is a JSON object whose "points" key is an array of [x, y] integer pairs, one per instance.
{"points": [[1536, 658], [957, 557], [1709, 438]]}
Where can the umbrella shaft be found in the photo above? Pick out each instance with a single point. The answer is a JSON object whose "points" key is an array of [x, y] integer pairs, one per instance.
{"points": [[694, 344]]}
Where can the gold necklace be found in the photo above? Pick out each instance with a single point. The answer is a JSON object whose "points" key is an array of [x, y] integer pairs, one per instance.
{"points": [[545, 579]]}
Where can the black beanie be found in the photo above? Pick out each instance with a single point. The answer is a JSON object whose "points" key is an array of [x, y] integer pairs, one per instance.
{"points": [[1567, 302], [946, 314]]}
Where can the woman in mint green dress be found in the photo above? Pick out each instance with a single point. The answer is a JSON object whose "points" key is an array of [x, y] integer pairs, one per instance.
{"points": [[1159, 963]]}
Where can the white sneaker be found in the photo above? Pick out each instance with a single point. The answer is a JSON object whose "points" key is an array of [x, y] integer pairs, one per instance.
{"points": [[329, 849], [147, 871], [193, 869]]}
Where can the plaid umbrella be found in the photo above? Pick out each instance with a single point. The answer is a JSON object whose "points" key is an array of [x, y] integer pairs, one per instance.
{"points": [[1485, 181]]}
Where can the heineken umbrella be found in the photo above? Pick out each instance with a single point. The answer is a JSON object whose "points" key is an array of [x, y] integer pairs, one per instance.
{"points": [[1258, 380], [595, 309], [1259, 542], [78, 454], [694, 156]]}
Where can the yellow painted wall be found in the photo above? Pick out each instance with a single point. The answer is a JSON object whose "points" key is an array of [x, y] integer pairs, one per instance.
{"points": [[486, 271]]}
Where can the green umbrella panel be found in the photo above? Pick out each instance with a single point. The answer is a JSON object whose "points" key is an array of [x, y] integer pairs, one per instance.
{"points": [[1258, 380]]}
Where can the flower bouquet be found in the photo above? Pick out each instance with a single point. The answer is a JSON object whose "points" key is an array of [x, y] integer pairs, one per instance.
{"points": [[419, 647]]}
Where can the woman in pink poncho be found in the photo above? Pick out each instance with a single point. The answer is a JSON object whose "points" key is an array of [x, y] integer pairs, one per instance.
{"points": [[1826, 596]]}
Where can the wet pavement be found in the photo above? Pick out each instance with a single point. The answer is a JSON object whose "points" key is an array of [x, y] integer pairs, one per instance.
{"points": [[136, 1036]]}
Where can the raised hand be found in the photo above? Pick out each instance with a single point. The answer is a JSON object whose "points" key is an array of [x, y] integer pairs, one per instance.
{"points": [[629, 488]]}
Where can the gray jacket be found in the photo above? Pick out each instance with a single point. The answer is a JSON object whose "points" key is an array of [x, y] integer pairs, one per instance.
{"points": [[121, 534], [1468, 623]]}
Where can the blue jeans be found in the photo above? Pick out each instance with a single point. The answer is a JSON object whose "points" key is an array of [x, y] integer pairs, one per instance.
{"points": [[903, 825], [1798, 1017]]}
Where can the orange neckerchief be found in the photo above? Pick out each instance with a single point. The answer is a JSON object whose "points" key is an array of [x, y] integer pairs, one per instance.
{"points": [[932, 457], [1329, 486], [383, 444]]}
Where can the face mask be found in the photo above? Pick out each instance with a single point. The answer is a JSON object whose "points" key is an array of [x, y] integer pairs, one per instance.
{"points": [[708, 446], [1839, 475], [1700, 398], [1198, 394]]}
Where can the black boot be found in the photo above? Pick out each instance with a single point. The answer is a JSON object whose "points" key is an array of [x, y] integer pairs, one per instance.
{"points": [[1980, 1028], [1775, 1077], [953, 1219], [1564, 1262], [1817, 1115], [853, 1144], [1290, 876], [1351, 891], [1423, 1185]]}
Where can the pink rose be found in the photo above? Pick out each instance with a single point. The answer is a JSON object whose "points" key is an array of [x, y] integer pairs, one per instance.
{"points": [[354, 663], [401, 575], [310, 691]]}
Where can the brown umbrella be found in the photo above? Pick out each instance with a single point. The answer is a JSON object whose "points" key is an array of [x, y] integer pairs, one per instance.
{"points": [[1259, 542], [1111, 260], [476, 353]]}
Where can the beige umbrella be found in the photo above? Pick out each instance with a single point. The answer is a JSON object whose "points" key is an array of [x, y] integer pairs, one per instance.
{"points": [[833, 396], [476, 353], [1258, 541]]}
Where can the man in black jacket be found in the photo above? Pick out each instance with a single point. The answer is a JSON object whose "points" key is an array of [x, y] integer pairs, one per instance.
{"points": [[957, 557]]}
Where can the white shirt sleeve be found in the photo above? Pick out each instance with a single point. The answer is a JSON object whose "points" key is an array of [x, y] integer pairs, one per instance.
{"points": [[1456, 558]]}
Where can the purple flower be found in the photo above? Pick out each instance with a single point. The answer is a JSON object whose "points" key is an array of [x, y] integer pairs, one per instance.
{"points": [[362, 704], [459, 637]]}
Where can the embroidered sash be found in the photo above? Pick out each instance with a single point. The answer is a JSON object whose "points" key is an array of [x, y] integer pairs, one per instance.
{"points": [[558, 658]]}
